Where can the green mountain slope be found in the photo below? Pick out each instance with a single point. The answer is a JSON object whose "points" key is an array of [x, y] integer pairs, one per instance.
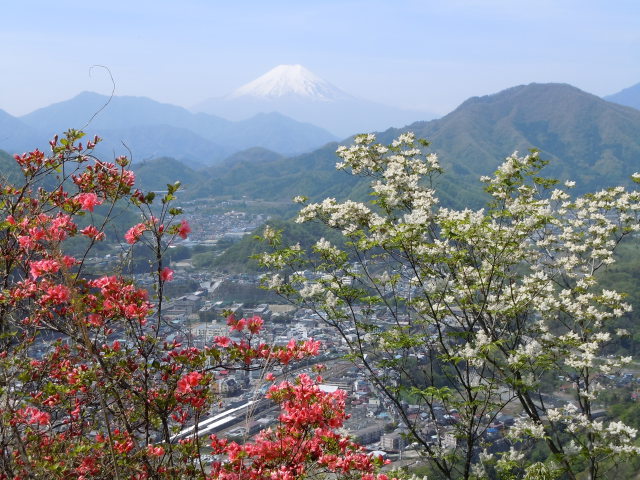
{"points": [[157, 173], [238, 256], [9, 169], [281, 179], [586, 138], [255, 154]]}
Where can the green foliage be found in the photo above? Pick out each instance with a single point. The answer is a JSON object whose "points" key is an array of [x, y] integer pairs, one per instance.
{"points": [[624, 276]]}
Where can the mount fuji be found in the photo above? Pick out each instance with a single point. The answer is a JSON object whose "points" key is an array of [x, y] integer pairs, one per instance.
{"points": [[296, 92], [293, 81]]}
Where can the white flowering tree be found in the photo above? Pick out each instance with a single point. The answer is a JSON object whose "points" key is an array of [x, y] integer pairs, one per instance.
{"points": [[466, 314]]}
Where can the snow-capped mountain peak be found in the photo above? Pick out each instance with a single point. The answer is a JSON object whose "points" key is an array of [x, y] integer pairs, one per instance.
{"points": [[290, 81], [294, 91]]}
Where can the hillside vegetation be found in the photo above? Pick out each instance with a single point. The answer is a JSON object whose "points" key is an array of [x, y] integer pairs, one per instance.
{"points": [[586, 139]]}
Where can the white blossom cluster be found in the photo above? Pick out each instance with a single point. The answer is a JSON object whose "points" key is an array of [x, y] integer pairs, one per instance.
{"points": [[348, 216], [511, 290], [326, 248], [472, 351], [311, 289], [275, 261], [525, 427], [269, 233], [609, 438]]}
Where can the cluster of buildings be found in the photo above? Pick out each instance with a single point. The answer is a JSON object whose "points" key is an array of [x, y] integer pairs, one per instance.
{"points": [[212, 220], [199, 317]]}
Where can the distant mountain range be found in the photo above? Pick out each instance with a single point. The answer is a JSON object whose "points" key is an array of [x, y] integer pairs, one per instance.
{"points": [[586, 138], [629, 97], [289, 110], [17, 136], [148, 129], [298, 93]]}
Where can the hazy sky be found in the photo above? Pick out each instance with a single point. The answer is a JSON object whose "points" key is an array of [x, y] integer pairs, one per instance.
{"points": [[425, 54]]}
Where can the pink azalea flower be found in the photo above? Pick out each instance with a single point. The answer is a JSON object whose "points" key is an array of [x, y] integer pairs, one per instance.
{"points": [[255, 324], [184, 229], [166, 275], [155, 451], [134, 233], [95, 320], [92, 232], [189, 381], [88, 201], [40, 267]]}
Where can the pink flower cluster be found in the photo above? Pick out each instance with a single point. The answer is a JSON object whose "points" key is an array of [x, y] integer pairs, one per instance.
{"points": [[166, 274], [88, 201], [104, 358], [184, 229], [253, 324], [303, 444], [31, 416], [92, 232], [42, 267], [190, 381], [134, 233]]}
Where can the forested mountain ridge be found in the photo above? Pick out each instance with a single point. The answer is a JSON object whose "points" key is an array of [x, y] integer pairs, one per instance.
{"points": [[584, 137]]}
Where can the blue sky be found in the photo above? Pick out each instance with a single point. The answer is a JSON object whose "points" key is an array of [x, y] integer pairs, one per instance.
{"points": [[429, 55]]}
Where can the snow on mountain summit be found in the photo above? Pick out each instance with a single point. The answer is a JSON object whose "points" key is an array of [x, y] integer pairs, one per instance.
{"points": [[295, 92], [290, 81]]}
